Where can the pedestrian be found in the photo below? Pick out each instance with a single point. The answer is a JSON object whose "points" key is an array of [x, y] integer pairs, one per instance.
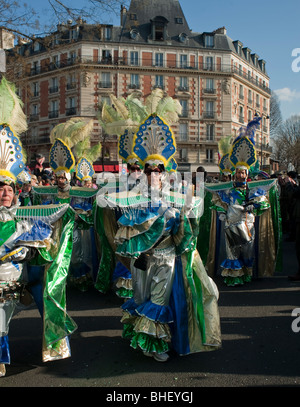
{"points": [[293, 191]]}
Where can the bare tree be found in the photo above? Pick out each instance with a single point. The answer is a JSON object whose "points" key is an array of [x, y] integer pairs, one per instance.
{"points": [[23, 20], [287, 142], [275, 115]]}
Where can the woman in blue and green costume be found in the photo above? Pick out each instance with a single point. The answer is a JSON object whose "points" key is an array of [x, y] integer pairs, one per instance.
{"points": [[174, 302]]}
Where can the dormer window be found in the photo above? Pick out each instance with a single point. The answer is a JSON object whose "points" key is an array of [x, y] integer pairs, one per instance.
{"points": [[183, 37], [159, 28], [209, 41]]}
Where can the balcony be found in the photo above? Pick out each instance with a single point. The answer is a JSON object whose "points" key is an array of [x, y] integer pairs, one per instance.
{"points": [[209, 115], [177, 65], [209, 91], [71, 85], [34, 117], [53, 114], [104, 85], [71, 111], [53, 89]]}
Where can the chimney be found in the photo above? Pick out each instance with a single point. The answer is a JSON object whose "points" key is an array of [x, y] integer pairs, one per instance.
{"points": [[123, 14]]}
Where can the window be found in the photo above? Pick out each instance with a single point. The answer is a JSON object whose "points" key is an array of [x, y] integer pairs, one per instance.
{"points": [[183, 83], [241, 94], [257, 101], [72, 58], [134, 81], [209, 85], [209, 155], [210, 132], [249, 115], [133, 17], [241, 114], [209, 63], [53, 85], [183, 131], [183, 61], [159, 32], [107, 33], [210, 109], [178, 20], [35, 89], [183, 154], [71, 106], [105, 80], [53, 109], [134, 58], [73, 34], [71, 81], [159, 61], [209, 41], [184, 105], [250, 100], [159, 81]]}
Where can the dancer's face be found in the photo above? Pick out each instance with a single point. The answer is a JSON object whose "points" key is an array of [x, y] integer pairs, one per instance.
{"points": [[6, 195], [240, 175]]}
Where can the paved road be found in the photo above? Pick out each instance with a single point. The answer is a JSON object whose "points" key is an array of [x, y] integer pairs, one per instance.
{"points": [[259, 347]]}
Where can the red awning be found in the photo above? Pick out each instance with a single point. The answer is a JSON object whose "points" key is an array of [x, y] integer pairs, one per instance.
{"points": [[107, 168]]}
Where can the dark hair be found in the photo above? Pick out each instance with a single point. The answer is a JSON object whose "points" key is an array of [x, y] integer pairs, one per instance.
{"points": [[148, 169]]}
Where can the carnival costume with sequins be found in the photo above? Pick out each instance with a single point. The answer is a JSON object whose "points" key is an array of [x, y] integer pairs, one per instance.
{"points": [[174, 302], [231, 201]]}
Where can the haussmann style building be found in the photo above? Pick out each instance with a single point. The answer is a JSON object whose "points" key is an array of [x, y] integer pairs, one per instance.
{"points": [[220, 83]]}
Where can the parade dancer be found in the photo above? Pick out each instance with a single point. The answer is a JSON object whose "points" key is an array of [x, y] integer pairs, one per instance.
{"points": [[174, 303], [237, 204]]}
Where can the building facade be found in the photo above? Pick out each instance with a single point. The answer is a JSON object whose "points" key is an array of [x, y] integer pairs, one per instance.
{"points": [[220, 83]]}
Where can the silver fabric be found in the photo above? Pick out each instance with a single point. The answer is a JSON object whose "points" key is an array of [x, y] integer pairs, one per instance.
{"points": [[239, 233], [156, 282]]}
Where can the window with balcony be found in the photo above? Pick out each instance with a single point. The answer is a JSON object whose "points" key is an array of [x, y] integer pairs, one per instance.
{"points": [[106, 56], [210, 110], [159, 81], [53, 109], [71, 107], [209, 64], [183, 83], [53, 85], [183, 61], [134, 81], [134, 58], [35, 89], [159, 60], [105, 80], [209, 86]]}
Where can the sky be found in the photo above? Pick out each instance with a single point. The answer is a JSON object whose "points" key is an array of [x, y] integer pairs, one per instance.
{"points": [[270, 28]]}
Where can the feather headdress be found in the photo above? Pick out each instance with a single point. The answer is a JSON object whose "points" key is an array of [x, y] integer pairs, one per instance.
{"points": [[225, 165], [154, 143], [84, 169], [243, 153], [126, 117], [61, 158], [12, 123]]}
